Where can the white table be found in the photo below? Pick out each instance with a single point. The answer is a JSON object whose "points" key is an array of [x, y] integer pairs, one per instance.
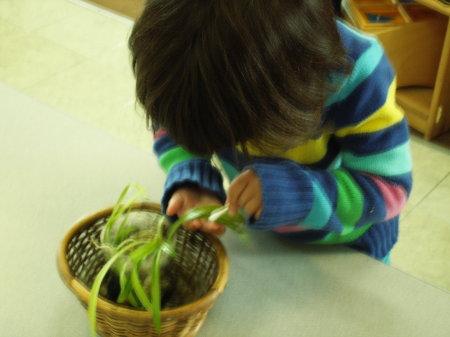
{"points": [[55, 169]]}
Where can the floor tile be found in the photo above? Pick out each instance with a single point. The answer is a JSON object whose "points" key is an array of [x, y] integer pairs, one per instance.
{"points": [[97, 95], [87, 32], [32, 14], [9, 32], [431, 164], [117, 58], [423, 249], [29, 59], [438, 202]]}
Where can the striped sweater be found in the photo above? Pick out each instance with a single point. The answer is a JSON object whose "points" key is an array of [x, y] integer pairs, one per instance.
{"points": [[346, 186]]}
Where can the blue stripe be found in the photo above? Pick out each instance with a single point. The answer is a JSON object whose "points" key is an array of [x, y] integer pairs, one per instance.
{"points": [[321, 210], [367, 98], [354, 41], [362, 69], [304, 236], [162, 145], [376, 142], [379, 239]]}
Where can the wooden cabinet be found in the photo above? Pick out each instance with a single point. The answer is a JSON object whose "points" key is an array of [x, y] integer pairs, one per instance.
{"points": [[416, 37]]}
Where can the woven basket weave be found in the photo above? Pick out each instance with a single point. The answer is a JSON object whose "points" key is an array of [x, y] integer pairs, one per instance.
{"points": [[202, 261]]}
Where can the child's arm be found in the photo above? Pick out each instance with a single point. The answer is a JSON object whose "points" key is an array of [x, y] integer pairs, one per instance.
{"points": [[373, 180], [199, 182]]}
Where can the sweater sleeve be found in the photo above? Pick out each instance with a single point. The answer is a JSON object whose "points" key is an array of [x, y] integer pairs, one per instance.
{"points": [[370, 181], [184, 169]]}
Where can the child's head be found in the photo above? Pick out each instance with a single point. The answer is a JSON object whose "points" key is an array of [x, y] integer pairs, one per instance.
{"points": [[219, 73]]}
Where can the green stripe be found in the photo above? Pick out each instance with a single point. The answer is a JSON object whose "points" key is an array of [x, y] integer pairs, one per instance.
{"points": [[174, 156], [390, 163], [335, 238], [349, 200]]}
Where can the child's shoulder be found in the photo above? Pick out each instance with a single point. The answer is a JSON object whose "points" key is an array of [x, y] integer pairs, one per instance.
{"points": [[355, 42]]}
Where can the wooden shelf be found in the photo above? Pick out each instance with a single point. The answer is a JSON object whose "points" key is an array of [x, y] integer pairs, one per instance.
{"points": [[416, 101], [419, 49], [436, 5]]}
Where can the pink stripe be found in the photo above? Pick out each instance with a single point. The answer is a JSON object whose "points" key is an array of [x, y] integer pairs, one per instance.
{"points": [[159, 133], [290, 229], [394, 197]]}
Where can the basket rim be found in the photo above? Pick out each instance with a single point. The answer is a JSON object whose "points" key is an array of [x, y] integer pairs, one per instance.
{"points": [[103, 304]]}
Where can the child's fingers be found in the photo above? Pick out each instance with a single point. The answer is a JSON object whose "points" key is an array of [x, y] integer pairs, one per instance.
{"points": [[252, 207], [258, 213], [237, 187], [213, 228], [205, 226], [249, 198], [175, 205], [194, 225]]}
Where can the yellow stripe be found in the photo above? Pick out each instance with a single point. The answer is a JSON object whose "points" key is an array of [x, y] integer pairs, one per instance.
{"points": [[389, 114], [314, 150], [310, 152], [307, 153]]}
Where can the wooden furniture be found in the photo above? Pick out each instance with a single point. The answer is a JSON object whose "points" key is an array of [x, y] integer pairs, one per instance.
{"points": [[416, 37]]}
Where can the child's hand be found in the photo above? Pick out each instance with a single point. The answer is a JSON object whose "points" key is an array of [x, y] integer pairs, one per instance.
{"points": [[245, 192], [188, 197]]}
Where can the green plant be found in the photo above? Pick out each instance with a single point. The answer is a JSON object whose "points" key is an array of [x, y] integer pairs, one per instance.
{"points": [[136, 250]]}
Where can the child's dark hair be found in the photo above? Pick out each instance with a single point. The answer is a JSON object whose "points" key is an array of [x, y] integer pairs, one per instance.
{"points": [[221, 73]]}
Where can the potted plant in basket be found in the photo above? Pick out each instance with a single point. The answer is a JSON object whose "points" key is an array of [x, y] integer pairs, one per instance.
{"points": [[135, 271]]}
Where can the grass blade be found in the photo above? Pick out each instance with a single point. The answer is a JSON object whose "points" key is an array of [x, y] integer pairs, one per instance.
{"points": [[169, 250], [95, 290], [156, 291], [217, 214], [201, 212], [142, 252], [139, 289], [133, 300], [121, 208], [125, 283]]}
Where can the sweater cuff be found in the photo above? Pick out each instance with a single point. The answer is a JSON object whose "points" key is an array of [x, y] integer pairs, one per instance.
{"points": [[198, 173], [287, 194]]}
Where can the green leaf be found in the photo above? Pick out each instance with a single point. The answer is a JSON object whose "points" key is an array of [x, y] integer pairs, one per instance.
{"points": [[169, 249], [145, 250], [123, 230], [133, 300], [139, 289], [201, 212], [125, 283], [123, 234], [215, 213], [93, 296], [121, 208], [113, 217], [156, 291]]}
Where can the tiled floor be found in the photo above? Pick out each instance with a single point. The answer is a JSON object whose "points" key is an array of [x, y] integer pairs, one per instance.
{"points": [[74, 57]]}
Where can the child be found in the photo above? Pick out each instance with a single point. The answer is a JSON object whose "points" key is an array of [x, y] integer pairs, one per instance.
{"points": [[298, 107]]}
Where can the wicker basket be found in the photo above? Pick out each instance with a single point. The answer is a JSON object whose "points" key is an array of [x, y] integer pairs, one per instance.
{"points": [[202, 260]]}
